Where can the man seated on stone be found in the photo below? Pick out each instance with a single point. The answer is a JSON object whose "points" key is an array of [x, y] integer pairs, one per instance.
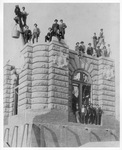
{"points": [[62, 27], [90, 49], [24, 16], [98, 51], [104, 51], [27, 34], [94, 53], [36, 33], [48, 37]]}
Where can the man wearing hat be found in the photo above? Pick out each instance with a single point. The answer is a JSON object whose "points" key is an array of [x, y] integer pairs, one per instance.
{"points": [[36, 33], [90, 50], [55, 28], [62, 27], [98, 115], [101, 38], [18, 15], [81, 49], [17, 11], [27, 34], [48, 37], [24, 16]]}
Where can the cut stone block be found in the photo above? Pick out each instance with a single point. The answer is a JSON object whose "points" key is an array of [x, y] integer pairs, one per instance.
{"points": [[40, 94]]}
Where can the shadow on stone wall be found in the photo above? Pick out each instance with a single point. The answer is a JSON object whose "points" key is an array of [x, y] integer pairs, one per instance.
{"points": [[39, 135], [97, 137], [76, 136], [54, 137]]}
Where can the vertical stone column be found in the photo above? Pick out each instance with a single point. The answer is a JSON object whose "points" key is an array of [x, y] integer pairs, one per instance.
{"points": [[25, 80], [107, 86], [7, 89], [40, 77], [58, 84]]}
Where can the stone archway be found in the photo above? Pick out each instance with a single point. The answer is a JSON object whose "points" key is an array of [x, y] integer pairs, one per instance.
{"points": [[90, 68]]}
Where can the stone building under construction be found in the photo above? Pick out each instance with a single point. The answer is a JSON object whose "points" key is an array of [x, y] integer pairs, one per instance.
{"points": [[38, 111]]}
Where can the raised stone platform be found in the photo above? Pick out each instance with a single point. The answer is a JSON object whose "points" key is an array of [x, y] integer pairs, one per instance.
{"points": [[51, 129], [45, 116]]}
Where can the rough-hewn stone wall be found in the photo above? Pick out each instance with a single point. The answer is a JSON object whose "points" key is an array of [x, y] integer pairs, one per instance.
{"points": [[7, 102], [107, 86], [25, 80], [46, 79], [58, 76], [40, 69]]}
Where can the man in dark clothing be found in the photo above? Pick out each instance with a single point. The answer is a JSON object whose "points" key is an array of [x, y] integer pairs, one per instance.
{"points": [[17, 11], [98, 115], [48, 37], [87, 115], [81, 49], [74, 102], [55, 28], [62, 27], [99, 51], [94, 41], [27, 34], [18, 15], [94, 115], [77, 113], [90, 50]]}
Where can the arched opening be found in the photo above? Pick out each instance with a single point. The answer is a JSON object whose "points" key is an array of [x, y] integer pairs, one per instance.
{"points": [[82, 107], [82, 84], [81, 95]]}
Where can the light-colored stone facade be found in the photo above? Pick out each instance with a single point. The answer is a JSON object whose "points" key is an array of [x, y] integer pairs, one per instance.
{"points": [[45, 82]]}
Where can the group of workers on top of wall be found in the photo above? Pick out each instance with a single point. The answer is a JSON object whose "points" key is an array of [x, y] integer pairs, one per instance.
{"points": [[99, 48], [86, 113], [57, 30]]}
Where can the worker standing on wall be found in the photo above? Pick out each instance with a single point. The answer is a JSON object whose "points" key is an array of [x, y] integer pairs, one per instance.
{"points": [[62, 27], [36, 33]]}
